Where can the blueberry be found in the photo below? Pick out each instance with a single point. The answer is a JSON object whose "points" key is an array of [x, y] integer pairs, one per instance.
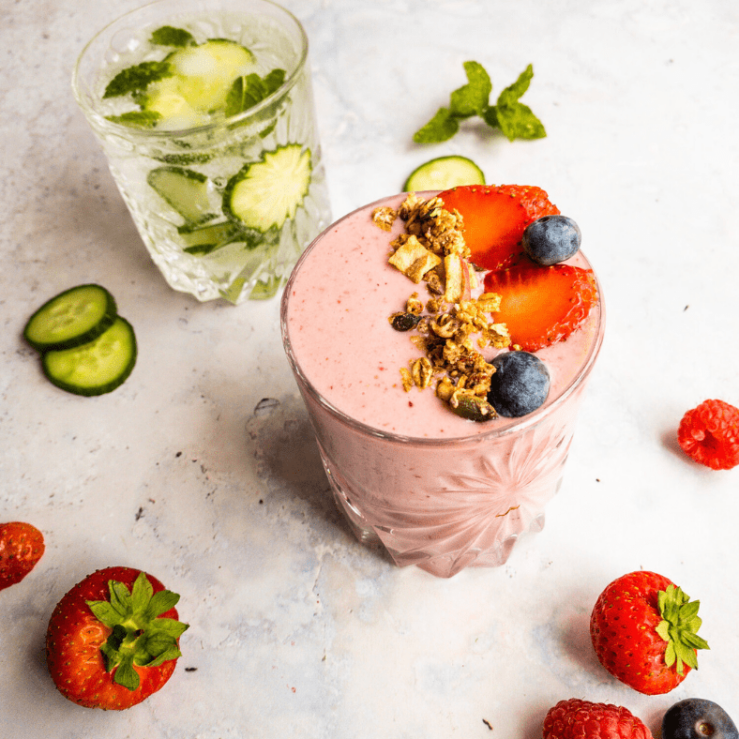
{"points": [[551, 239], [520, 384], [696, 718]]}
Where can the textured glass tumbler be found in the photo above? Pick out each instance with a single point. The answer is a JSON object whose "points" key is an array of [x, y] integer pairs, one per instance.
{"points": [[217, 257], [444, 504]]}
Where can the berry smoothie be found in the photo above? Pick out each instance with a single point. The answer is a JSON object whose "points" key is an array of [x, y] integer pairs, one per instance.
{"points": [[438, 490]]}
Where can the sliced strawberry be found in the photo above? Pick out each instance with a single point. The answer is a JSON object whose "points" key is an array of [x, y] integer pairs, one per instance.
{"points": [[495, 217], [541, 305]]}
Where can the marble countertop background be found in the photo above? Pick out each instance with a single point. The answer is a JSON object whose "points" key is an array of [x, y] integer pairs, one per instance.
{"points": [[296, 629]]}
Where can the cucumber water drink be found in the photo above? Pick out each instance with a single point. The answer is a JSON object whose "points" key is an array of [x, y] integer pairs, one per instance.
{"points": [[207, 119]]}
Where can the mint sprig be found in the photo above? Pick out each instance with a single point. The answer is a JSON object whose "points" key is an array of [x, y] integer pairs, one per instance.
{"points": [[678, 627], [139, 636], [513, 118]]}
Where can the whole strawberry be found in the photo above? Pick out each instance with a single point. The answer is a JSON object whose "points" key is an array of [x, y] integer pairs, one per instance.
{"points": [[21, 547], [113, 639], [578, 719], [644, 631]]}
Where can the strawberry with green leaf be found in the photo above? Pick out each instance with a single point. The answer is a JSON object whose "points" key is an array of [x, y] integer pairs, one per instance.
{"points": [[644, 631], [113, 639]]}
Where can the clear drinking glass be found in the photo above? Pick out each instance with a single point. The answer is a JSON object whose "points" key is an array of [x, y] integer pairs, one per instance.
{"points": [[447, 503], [176, 182]]}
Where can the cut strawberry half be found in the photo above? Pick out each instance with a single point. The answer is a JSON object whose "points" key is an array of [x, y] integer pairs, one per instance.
{"points": [[495, 217], [542, 305]]}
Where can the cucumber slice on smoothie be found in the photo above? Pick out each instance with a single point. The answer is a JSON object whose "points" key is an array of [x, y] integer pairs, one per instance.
{"points": [[97, 367], [266, 193], [199, 82], [443, 173], [72, 318], [185, 190]]}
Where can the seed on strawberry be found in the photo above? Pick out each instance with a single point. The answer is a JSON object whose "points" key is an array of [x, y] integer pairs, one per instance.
{"points": [[709, 434], [580, 719], [495, 217], [644, 632], [542, 305], [21, 547]]}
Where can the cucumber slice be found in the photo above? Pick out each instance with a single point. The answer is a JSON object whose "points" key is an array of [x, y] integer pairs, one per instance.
{"points": [[444, 173], [72, 318], [185, 190], [266, 193], [201, 78], [95, 368], [204, 239]]}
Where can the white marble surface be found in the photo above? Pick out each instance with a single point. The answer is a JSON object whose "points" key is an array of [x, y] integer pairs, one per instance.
{"points": [[298, 631]]}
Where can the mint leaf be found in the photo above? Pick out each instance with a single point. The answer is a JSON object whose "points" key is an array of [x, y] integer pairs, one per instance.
{"points": [[137, 118], [170, 36], [440, 128], [472, 99], [137, 78], [516, 120], [247, 91]]}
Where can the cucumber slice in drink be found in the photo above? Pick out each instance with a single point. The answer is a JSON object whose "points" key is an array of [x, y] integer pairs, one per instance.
{"points": [[202, 240], [97, 367], [266, 193], [201, 78], [185, 190], [72, 318], [444, 173]]}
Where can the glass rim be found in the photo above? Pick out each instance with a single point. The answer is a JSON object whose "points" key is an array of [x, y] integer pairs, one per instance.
{"points": [[523, 424], [84, 97]]}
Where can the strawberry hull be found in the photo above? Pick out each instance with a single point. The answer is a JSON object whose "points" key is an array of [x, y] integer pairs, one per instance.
{"points": [[437, 490]]}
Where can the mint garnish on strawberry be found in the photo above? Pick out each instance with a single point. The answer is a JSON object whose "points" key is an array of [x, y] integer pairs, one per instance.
{"points": [[512, 117], [679, 626], [139, 635]]}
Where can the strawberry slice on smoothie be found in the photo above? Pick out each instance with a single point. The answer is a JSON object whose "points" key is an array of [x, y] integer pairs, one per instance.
{"points": [[542, 305], [495, 217]]}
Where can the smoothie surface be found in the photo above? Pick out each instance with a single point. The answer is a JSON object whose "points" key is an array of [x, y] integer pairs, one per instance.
{"points": [[339, 300]]}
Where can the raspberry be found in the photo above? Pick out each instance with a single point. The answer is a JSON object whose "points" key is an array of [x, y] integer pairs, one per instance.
{"points": [[709, 434], [578, 719]]}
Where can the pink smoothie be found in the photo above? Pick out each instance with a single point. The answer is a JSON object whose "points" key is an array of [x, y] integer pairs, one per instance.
{"points": [[437, 490]]}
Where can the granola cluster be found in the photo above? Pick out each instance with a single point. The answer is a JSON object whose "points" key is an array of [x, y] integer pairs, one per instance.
{"points": [[450, 327]]}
